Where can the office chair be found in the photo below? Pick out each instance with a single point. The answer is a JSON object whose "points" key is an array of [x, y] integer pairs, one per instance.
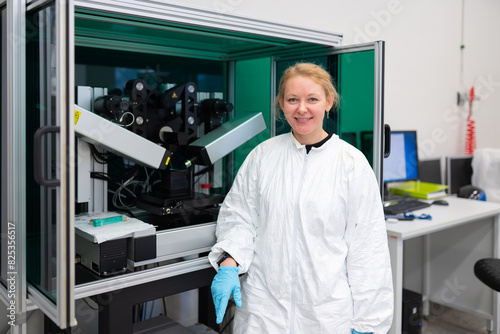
{"points": [[488, 271]]}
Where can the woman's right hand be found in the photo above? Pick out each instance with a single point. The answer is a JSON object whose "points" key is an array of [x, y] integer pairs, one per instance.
{"points": [[224, 283]]}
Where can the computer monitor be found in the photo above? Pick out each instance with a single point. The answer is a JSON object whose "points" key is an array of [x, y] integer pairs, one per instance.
{"points": [[402, 163], [458, 172], [429, 170]]}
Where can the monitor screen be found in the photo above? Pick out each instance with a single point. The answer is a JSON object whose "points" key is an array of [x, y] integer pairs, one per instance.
{"points": [[458, 172], [429, 170], [402, 163]]}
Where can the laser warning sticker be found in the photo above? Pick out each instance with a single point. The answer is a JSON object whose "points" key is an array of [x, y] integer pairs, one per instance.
{"points": [[77, 115]]}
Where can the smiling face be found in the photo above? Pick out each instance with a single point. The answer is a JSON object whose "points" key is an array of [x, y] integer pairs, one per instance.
{"points": [[304, 104]]}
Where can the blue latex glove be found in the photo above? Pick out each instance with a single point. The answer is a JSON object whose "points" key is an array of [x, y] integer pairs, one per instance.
{"points": [[225, 282], [356, 332]]}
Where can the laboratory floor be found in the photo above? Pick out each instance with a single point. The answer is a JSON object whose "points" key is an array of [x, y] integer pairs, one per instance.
{"points": [[444, 320]]}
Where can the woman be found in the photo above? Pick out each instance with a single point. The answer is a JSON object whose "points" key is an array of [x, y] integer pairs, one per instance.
{"points": [[304, 222]]}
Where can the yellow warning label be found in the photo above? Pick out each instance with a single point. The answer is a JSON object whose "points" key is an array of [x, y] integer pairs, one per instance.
{"points": [[174, 96], [77, 115], [168, 160]]}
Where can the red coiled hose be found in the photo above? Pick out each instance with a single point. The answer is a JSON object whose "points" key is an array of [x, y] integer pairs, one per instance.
{"points": [[470, 134]]}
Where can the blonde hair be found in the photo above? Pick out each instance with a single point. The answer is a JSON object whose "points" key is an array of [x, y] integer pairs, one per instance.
{"points": [[309, 70]]}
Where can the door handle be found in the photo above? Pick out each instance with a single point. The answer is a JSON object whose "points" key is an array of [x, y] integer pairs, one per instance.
{"points": [[387, 140], [37, 156]]}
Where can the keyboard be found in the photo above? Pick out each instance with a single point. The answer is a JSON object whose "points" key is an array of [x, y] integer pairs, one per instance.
{"points": [[405, 204]]}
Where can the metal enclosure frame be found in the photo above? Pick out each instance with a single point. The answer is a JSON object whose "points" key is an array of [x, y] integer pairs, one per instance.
{"points": [[62, 311], [14, 207], [14, 171]]}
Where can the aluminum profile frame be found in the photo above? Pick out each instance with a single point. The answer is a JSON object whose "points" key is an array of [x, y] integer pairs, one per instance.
{"points": [[13, 211], [204, 17], [378, 121]]}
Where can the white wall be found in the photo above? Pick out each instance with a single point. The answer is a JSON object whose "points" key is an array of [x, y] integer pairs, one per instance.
{"points": [[423, 58]]}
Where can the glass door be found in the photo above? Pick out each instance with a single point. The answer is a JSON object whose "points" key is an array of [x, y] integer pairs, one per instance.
{"points": [[358, 72], [49, 153]]}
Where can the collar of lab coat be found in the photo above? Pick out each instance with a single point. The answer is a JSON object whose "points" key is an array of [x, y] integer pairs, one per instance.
{"points": [[299, 146]]}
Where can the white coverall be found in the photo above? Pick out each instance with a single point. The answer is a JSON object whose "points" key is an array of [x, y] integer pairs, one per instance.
{"points": [[309, 232]]}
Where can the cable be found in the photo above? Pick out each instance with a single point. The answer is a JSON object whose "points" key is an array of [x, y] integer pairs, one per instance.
{"points": [[198, 180], [470, 135], [204, 170], [130, 123], [119, 199], [105, 176], [118, 196], [101, 157], [462, 46], [91, 307], [164, 306], [147, 187]]}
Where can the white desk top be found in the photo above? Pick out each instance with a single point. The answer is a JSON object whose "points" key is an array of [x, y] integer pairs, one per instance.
{"points": [[459, 211]]}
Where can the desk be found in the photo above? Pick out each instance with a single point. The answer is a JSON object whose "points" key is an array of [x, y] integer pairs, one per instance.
{"points": [[457, 236]]}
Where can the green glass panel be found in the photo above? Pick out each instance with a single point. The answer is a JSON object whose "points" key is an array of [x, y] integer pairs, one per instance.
{"points": [[252, 94], [356, 109]]}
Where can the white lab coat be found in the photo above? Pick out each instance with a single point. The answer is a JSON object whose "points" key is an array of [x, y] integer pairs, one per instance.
{"points": [[309, 232]]}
